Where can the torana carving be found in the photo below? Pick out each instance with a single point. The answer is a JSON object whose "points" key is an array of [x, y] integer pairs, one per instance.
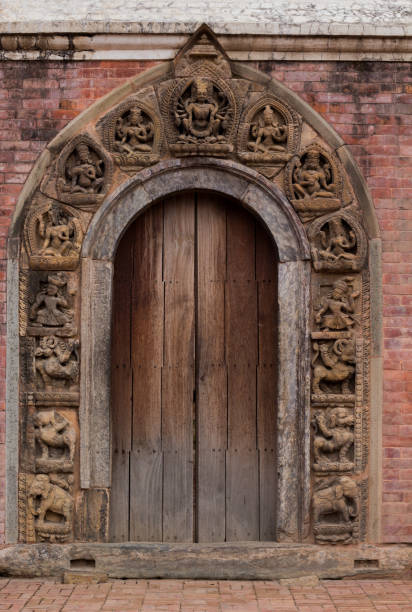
{"points": [[56, 440], [334, 439], [132, 133], [200, 113], [335, 505], [338, 243], [57, 362], [84, 173], [50, 502], [51, 312], [53, 236], [269, 133], [333, 365], [314, 183]]}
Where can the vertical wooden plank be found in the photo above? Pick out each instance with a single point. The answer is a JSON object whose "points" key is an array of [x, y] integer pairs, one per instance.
{"points": [[266, 274], [242, 491], [146, 470], [121, 391], [178, 382], [211, 368], [147, 329], [242, 476], [241, 328]]}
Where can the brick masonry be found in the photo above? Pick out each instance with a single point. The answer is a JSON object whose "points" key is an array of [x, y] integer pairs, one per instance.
{"points": [[369, 105]]}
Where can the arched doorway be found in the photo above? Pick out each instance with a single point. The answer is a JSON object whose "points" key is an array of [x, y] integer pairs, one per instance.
{"points": [[194, 348]]}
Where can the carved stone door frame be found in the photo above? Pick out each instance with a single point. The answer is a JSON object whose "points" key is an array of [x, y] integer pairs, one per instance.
{"points": [[230, 159], [266, 201]]}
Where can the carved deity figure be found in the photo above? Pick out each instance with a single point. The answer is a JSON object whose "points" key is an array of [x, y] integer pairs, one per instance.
{"points": [[57, 232], [335, 426], [54, 431], [134, 133], [336, 310], [51, 308], [57, 360], [84, 171], [44, 496], [267, 133], [337, 242], [336, 365], [312, 179], [202, 116], [337, 496]]}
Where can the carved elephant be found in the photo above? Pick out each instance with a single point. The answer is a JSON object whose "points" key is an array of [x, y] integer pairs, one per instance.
{"points": [[336, 366], [51, 497], [340, 495]]}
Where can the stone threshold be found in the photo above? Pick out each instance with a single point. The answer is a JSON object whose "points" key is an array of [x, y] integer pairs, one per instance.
{"points": [[163, 45], [235, 561]]}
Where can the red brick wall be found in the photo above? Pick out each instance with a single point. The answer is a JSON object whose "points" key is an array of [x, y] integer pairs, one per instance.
{"points": [[368, 104]]}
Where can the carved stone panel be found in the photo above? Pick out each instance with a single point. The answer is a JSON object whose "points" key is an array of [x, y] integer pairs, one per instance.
{"points": [[338, 243], [53, 235], [336, 509], [132, 134], [51, 305], [269, 133], [200, 114], [84, 172], [314, 183], [55, 442]]}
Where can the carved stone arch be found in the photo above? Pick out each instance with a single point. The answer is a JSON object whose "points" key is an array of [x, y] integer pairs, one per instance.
{"points": [[122, 198]]}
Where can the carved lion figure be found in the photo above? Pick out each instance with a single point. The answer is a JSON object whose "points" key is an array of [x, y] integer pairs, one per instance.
{"points": [[336, 366], [337, 496], [44, 496]]}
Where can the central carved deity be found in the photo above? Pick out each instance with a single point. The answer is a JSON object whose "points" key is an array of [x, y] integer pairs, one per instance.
{"points": [[203, 115]]}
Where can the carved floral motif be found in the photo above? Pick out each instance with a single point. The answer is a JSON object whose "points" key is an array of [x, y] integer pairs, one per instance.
{"points": [[84, 173], [314, 182], [53, 236], [338, 243]]}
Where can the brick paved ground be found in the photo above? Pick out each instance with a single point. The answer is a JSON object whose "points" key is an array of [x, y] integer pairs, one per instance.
{"points": [[205, 596]]}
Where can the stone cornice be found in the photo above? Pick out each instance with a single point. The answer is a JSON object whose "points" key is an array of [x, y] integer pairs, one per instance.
{"points": [[164, 44]]}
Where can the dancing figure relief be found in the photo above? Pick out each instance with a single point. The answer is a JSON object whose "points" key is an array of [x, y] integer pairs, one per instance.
{"points": [[336, 311], [51, 309]]}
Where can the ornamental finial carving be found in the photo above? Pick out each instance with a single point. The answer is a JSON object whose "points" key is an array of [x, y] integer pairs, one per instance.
{"points": [[202, 51]]}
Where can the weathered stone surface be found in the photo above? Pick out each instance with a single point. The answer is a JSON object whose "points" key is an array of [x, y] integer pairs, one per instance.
{"points": [[73, 577], [265, 561]]}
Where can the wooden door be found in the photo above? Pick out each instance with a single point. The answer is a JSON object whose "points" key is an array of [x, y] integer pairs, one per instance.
{"points": [[194, 375]]}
